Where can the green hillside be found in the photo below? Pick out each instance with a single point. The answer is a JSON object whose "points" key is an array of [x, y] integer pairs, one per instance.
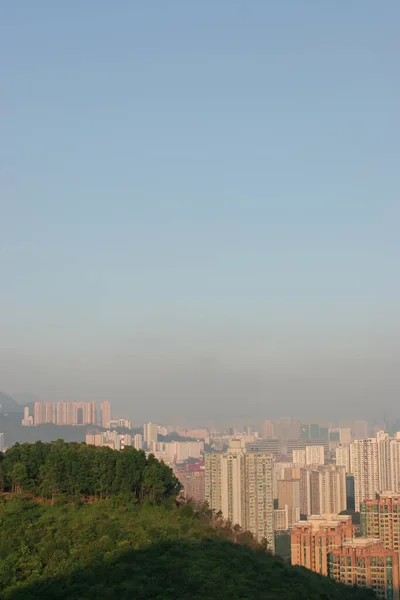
{"points": [[84, 523]]}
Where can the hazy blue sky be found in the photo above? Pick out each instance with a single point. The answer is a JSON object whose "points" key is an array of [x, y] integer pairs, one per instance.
{"points": [[199, 209]]}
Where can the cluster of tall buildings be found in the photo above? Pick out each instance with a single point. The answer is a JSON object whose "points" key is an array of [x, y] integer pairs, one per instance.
{"points": [[309, 490], [114, 440], [192, 478], [176, 452], [239, 484], [375, 464], [327, 545], [68, 413]]}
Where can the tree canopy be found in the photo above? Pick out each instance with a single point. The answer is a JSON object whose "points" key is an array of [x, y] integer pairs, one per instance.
{"points": [[77, 470]]}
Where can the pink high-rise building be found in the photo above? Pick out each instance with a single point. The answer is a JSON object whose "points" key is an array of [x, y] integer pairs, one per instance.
{"points": [[105, 411]]}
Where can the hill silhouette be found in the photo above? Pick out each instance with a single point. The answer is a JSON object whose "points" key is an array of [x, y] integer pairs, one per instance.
{"points": [[209, 569], [9, 404]]}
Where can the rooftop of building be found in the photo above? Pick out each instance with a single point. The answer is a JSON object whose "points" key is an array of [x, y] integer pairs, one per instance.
{"points": [[325, 519], [382, 496], [362, 542]]}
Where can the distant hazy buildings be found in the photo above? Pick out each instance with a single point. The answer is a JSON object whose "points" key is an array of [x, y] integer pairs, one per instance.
{"points": [[343, 457], [105, 414], [111, 439], [177, 452], [239, 484], [138, 441], [120, 424], [62, 413], [1, 442], [197, 434], [150, 433], [310, 455], [27, 421], [268, 429]]}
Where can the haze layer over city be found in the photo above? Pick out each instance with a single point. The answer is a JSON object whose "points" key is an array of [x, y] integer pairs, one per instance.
{"points": [[199, 208]]}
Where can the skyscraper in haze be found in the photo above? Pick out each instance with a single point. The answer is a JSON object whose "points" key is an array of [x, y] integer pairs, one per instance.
{"points": [[343, 457], [268, 429], [150, 433], [105, 412], [364, 467], [239, 484]]}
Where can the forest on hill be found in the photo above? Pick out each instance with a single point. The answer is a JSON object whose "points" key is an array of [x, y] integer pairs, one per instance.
{"points": [[79, 522], [76, 470]]}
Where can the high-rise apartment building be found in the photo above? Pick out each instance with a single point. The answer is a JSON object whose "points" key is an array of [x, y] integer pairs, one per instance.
{"points": [[225, 483], [299, 457], [343, 457], [288, 493], [364, 467], [150, 433], [366, 563], [394, 458], [177, 452], [61, 413], [315, 455], [105, 414], [192, 478], [314, 539], [380, 518], [138, 442], [310, 455], [345, 436], [39, 413], [65, 413], [27, 421], [383, 441], [322, 490], [239, 484], [285, 518], [111, 439]]}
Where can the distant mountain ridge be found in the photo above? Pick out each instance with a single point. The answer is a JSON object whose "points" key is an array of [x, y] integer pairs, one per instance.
{"points": [[9, 404], [25, 398]]}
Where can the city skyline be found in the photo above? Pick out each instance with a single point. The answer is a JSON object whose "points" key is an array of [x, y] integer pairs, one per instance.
{"points": [[199, 307]]}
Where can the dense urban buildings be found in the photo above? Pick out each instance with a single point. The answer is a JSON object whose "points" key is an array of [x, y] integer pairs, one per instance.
{"points": [[312, 540], [62, 413], [176, 452], [192, 478], [239, 484], [380, 518], [366, 563], [150, 433], [297, 479], [112, 439]]}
